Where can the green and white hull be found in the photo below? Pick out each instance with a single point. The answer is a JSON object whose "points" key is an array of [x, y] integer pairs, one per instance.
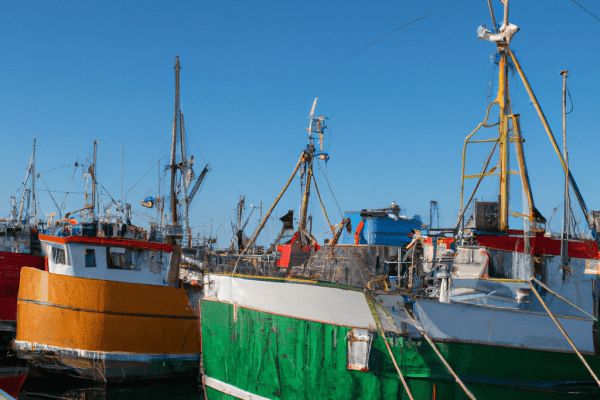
{"points": [[278, 339]]}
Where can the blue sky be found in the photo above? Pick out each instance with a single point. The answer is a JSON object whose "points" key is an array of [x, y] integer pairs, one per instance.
{"points": [[75, 71]]}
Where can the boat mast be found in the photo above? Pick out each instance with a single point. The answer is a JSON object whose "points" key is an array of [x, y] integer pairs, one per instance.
{"points": [[306, 158], [122, 174], [502, 39], [174, 146], [185, 177], [94, 181], [507, 123], [308, 163], [503, 143], [240, 207], [503, 127], [567, 203], [33, 184], [160, 202], [588, 217], [30, 171]]}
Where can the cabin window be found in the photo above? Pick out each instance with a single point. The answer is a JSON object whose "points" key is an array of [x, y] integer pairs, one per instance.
{"points": [[58, 255], [120, 258], [90, 258]]}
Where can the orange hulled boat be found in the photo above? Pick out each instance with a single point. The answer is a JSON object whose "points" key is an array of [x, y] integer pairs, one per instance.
{"points": [[111, 305], [109, 309]]}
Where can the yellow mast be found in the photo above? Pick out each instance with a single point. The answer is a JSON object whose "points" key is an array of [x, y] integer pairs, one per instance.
{"points": [[503, 144], [508, 122]]}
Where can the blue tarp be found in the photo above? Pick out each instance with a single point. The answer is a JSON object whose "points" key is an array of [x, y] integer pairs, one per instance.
{"points": [[381, 229]]}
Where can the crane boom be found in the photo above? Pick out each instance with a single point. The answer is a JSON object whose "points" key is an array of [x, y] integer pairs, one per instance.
{"points": [[205, 171]]}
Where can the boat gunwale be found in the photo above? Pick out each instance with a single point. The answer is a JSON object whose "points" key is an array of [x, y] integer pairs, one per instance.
{"points": [[107, 241], [298, 280]]}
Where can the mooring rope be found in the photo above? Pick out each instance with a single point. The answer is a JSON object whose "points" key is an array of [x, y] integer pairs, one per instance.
{"points": [[373, 309], [458, 380], [564, 333], [563, 299]]}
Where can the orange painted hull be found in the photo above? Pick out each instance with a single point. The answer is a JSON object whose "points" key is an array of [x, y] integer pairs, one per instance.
{"points": [[102, 325]]}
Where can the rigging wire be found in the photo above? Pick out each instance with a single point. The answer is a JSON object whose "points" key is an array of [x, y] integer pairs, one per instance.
{"points": [[396, 30], [52, 197], [150, 170], [62, 191], [554, 210], [69, 189], [571, 100], [61, 166], [142, 215], [119, 208], [194, 140], [516, 81], [584, 9], [575, 225], [155, 186], [330, 189]]}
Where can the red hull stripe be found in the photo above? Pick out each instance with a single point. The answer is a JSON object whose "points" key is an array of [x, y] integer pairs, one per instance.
{"points": [[108, 241], [540, 245]]}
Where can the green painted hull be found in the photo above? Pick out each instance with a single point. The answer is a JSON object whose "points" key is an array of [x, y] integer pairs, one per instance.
{"points": [[288, 358]]}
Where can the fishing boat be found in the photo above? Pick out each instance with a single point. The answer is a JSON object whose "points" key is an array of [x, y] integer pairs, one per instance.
{"points": [[487, 313], [111, 306], [19, 247]]}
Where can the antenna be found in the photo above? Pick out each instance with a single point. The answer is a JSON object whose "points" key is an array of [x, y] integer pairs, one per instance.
{"points": [[312, 111], [317, 125]]}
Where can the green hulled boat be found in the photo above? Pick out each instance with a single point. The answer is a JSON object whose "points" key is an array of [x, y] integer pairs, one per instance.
{"points": [[489, 313], [298, 340]]}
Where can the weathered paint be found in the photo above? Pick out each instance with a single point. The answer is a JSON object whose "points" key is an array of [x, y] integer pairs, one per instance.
{"points": [[259, 349], [539, 245], [107, 366], [503, 327], [279, 357], [231, 390], [346, 264], [298, 300], [105, 317]]}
